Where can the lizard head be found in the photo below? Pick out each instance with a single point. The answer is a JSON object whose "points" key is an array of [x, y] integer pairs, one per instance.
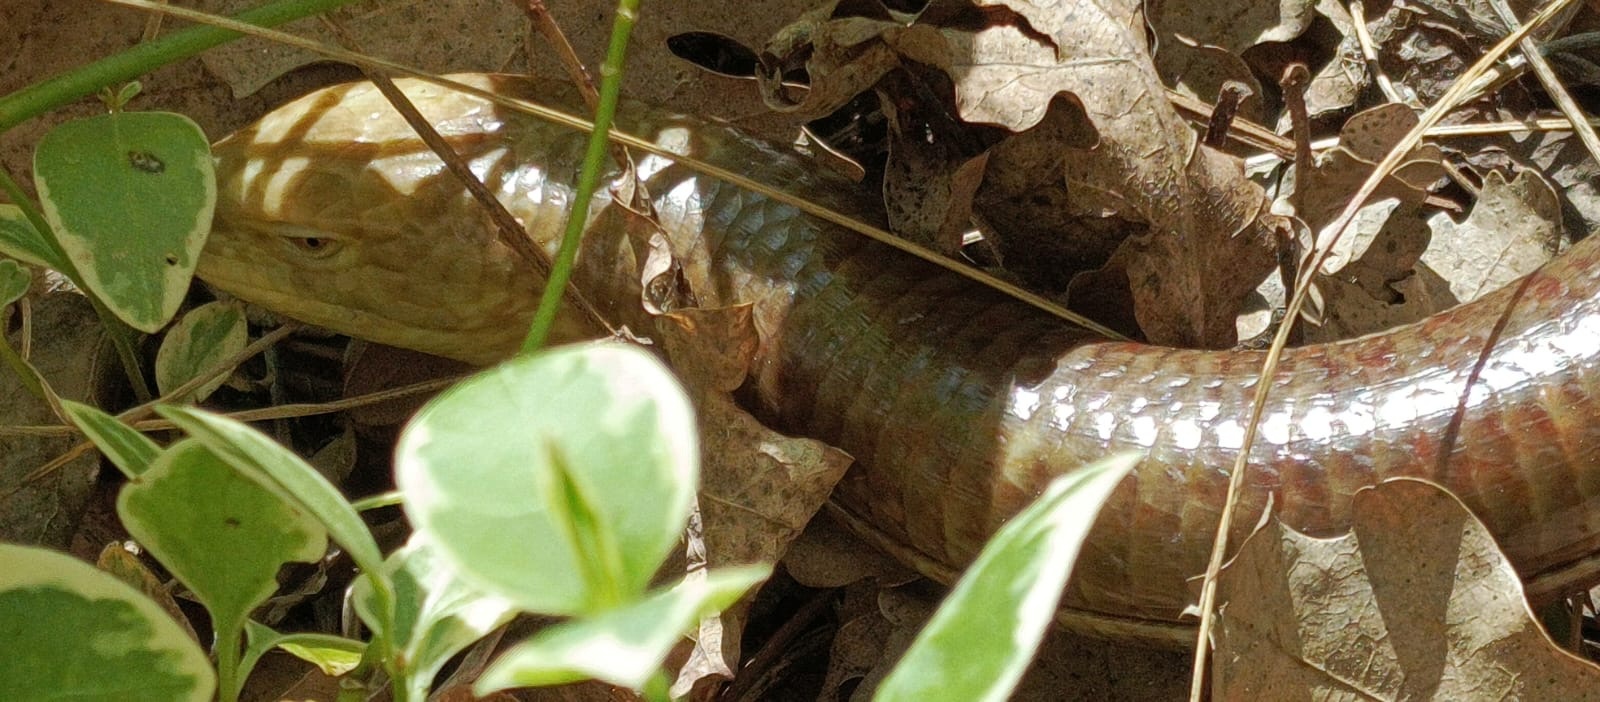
{"points": [[333, 212]]}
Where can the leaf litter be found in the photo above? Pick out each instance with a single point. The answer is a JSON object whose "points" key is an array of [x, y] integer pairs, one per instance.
{"points": [[1084, 181]]}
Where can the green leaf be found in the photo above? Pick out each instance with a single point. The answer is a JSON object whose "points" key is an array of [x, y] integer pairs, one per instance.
{"points": [[128, 449], [130, 196], [623, 646], [19, 240], [257, 455], [222, 534], [333, 655], [68, 631], [206, 336], [436, 613], [14, 281], [980, 641], [124, 94], [560, 480]]}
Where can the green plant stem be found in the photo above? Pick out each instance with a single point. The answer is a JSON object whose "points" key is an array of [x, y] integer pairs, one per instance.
{"points": [[228, 680], [390, 498], [353, 685], [657, 689], [409, 688], [127, 65], [588, 177], [23, 370], [122, 339]]}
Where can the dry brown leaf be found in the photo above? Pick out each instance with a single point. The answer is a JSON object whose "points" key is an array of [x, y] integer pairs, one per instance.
{"points": [[710, 349], [1518, 229], [864, 647], [1513, 228], [1363, 141], [1385, 288], [125, 566], [486, 35], [842, 58], [1557, 155], [758, 488], [1370, 281], [1371, 133], [1147, 167], [370, 368], [1477, 18], [1415, 602], [929, 195], [1337, 84], [1201, 71], [657, 76], [828, 555], [1198, 44]]}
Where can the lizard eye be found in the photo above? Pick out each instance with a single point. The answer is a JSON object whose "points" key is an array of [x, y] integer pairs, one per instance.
{"points": [[310, 242]]}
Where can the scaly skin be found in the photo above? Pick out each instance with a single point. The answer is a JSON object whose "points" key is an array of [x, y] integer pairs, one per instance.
{"points": [[958, 403]]}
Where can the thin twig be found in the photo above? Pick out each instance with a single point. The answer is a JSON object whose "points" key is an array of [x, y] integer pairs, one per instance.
{"points": [[1293, 84], [1552, 83], [539, 15], [1369, 53]]}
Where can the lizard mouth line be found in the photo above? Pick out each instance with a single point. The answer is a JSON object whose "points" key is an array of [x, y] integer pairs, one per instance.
{"points": [[255, 282]]}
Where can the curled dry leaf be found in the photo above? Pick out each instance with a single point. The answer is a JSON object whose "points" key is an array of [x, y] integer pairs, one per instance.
{"points": [[1198, 44], [1337, 84], [929, 196], [759, 488], [1557, 156], [1416, 601], [866, 644], [829, 555], [1385, 287]]}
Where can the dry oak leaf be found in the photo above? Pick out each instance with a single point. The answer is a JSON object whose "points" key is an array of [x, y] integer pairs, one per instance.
{"points": [[1513, 228], [1416, 602], [1385, 288], [1199, 44], [1321, 193]]}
